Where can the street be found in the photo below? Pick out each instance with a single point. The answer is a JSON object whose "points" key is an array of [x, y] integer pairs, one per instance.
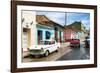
{"points": [[46, 36], [64, 53], [77, 54]]}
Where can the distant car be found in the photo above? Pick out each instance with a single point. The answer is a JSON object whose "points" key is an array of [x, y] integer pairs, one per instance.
{"points": [[87, 42], [75, 43], [45, 48]]}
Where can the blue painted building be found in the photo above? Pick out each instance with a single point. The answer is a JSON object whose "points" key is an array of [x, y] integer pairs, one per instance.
{"points": [[44, 32], [47, 29]]}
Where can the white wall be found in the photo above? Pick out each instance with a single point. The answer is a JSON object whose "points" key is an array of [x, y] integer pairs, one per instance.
{"points": [[5, 37], [29, 17]]}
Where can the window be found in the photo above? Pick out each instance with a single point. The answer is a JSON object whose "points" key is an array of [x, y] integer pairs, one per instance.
{"points": [[24, 30], [48, 34], [40, 35], [53, 42]]}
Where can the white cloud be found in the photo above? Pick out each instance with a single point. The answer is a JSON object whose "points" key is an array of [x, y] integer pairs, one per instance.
{"points": [[58, 17]]}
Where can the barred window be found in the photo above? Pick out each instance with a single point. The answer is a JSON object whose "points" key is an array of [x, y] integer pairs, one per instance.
{"points": [[48, 34]]}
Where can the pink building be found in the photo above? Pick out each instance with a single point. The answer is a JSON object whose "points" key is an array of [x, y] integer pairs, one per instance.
{"points": [[75, 30], [69, 34]]}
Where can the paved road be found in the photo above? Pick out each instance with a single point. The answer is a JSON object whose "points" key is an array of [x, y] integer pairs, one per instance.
{"points": [[52, 57], [77, 54], [65, 53]]}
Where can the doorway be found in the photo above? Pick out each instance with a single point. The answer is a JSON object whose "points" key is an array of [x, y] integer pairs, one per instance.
{"points": [[40, 36]]}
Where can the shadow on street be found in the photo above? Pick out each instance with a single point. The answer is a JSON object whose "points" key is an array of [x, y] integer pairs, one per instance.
{"points": [[77, 54]]}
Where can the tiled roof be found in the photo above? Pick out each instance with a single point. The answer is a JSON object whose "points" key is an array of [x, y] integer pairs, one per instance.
{"points": [[43, 20], [77, 26]]}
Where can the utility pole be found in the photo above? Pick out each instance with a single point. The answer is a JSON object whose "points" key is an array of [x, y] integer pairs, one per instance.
{"points": [[65, 18]]}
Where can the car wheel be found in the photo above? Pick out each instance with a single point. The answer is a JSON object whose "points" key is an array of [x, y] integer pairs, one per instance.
{"points": [[56, 51], [58, 47], [79, 45], [46, 53]]}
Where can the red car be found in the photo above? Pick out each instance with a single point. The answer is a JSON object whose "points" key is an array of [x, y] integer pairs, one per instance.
{"points": [[75, 43]]}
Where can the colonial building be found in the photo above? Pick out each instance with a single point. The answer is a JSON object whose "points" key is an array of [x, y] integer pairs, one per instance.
{"points": [[28, 29], [75, 30], [38, 27], [47, 29]]}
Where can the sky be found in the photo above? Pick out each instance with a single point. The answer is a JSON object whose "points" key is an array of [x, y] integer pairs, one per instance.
{"points": [[83, 17], [67, 18], [58, 17]]}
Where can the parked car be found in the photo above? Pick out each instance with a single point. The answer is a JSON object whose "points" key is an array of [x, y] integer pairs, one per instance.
{"points": [[75, 43], [45, 48], [87, 42], [68, 40]]}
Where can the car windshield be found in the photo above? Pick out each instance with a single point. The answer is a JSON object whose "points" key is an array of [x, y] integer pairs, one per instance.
{"points": [[87, 37], [75, 39], [47, 42], [44, 42]]}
